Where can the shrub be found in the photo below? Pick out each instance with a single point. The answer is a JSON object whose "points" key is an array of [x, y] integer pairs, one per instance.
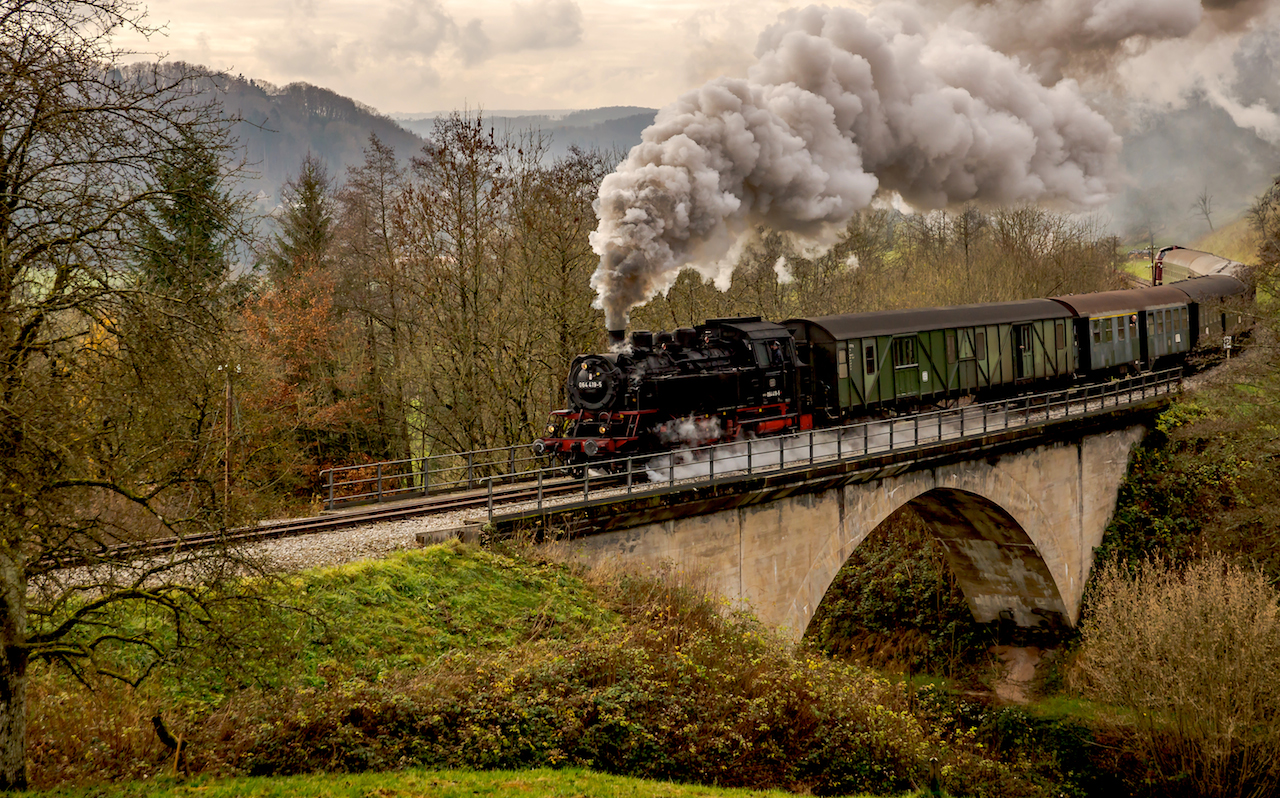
{"points": [[1191, 653], [682, 690]]}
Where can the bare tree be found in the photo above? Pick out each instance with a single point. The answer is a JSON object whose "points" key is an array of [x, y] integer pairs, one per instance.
{"points": [[104, 437], [375, 288], [453, 230], [1204, 204]]}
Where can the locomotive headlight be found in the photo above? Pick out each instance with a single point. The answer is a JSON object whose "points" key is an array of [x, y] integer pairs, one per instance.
{"points": [[604, 428], [590, 447], [551, 429]]}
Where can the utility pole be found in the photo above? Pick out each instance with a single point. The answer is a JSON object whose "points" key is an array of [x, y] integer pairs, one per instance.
{"points": [[226, 446]]}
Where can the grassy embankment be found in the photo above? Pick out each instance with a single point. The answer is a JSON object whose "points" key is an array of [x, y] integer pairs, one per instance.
{"points": [[459, 658]]}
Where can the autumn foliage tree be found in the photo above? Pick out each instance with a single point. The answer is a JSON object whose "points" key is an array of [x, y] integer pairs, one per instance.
{"points": [[109, 421]]}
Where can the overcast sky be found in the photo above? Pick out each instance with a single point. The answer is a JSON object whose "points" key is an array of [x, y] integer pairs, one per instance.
{"points": [[429, 55]]}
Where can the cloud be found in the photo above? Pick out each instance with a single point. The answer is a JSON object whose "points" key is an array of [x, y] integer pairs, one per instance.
{"points": [[716, 44], [473, 43], [543, 25], [416, 28]]}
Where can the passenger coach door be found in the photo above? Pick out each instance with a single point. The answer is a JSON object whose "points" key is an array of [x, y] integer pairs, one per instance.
{"points": [[906, 367], [1024, 355]]}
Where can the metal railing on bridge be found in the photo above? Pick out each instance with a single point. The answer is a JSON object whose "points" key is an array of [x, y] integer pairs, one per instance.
{"points": [[708, 464], [423, 476]]}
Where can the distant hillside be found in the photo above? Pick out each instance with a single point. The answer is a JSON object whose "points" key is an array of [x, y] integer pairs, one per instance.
{"points": [[281, 125], [614, 128]]}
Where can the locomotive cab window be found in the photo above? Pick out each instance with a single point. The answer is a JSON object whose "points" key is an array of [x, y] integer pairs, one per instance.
{"points": [[762, 354], [904, 352]]}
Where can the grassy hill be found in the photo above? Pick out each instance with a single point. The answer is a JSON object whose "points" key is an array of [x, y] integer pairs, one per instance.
{"points": [[1235, 240], [454, 657]]}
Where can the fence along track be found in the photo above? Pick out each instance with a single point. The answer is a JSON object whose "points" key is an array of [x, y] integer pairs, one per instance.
{"points": [[492, 469], [490, 477]]}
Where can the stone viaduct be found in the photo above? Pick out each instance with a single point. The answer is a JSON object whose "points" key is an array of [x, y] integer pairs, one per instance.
{"points": [[1018, 514]]}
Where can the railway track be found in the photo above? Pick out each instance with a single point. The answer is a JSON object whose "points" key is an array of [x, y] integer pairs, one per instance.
{"points": [[486, 498], [334, 521]]}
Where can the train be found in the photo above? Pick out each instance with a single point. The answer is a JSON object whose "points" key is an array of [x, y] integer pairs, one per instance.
{"points": [[734, 378]]}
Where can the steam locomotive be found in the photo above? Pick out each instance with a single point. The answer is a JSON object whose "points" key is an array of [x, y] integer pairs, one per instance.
{"points": [[729, 379]]}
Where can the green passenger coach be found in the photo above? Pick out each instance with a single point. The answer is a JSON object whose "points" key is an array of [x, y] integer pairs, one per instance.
{"points": [[861, 361]]}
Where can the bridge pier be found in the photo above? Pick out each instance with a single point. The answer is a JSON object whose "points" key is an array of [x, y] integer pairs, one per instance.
{"points": [[1018, 525]]}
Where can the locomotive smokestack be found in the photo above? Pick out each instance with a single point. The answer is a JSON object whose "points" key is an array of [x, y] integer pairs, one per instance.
{"points": [[616, 338]]}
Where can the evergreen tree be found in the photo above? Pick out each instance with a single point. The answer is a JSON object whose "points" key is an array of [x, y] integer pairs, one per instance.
{"points": [[306, 223], [186, 234]]}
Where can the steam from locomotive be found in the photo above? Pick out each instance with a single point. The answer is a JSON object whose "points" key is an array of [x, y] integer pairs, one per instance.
{"points": [[838, 107]]}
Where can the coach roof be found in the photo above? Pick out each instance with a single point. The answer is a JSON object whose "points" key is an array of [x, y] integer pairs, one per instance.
{"points": [[1209, 287], [1123, 301], [896, 322]]}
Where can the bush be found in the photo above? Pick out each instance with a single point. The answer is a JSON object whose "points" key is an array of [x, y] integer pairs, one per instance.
{"points": [[1191, 653], [682, 690]]}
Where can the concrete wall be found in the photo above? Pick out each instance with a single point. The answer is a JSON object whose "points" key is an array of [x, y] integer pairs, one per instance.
{"points": [[1019, 530]]}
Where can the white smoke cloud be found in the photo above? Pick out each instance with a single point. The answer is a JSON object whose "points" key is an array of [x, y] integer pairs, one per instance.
{"points": [[837, 107], [783, 271], [692, 431]]}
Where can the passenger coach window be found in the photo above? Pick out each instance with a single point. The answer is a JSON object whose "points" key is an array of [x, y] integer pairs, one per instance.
{"points": [[1097, 331], [1110, 324], [869, 353], [1168, 321], [1133, 326], [980, 344], [951, 346], [904, 352], [1159, 323], [1058, 339], [1120, 329]]}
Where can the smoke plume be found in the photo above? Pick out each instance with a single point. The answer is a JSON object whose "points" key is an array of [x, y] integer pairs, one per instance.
{"points": [[838, 107]]}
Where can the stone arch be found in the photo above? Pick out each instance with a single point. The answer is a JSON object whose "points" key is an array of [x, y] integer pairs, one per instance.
{"points": [[998, 566], [998, 541]]}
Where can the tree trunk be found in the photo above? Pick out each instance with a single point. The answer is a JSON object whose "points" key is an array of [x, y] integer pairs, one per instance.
{"points": [[13, 676]]}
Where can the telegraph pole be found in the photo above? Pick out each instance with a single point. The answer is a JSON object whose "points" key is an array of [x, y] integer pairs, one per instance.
{"points": [[226, 446]]}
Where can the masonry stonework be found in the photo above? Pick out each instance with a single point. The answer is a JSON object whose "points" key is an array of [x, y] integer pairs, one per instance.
{"points": [[1018, 529]]}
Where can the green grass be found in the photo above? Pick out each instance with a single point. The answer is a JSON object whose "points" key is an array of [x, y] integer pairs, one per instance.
{"points": [[1235, 240], [569, 783], [409, 609], [457, 657]]}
